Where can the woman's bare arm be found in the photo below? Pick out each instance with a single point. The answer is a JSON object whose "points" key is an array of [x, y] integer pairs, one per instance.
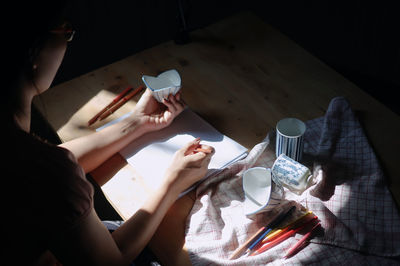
{"points": [[90, 243], [148, 115]]}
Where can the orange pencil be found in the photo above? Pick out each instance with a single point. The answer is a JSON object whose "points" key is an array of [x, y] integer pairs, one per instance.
{"points": [[302, 219], [114, 101], [281, 238], [120, 103], [238, 252]]}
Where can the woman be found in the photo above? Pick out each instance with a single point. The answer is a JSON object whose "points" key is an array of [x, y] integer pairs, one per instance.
{"points": [[51, 202]]}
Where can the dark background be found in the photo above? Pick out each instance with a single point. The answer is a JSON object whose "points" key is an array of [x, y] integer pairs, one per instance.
{"points": [[359, 39]]}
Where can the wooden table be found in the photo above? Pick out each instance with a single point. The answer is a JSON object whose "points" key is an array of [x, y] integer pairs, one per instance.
{"points": [[242, 76]]}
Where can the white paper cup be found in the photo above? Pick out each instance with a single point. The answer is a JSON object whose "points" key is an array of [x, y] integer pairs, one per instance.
{"points": [[289, 138], [261, 193]]}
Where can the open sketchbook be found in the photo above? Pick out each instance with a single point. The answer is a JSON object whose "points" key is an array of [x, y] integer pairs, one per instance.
{"points": [[151, 154]]}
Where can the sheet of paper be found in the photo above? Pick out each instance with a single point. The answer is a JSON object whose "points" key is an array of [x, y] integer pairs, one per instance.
{"points": [[152, 154]]}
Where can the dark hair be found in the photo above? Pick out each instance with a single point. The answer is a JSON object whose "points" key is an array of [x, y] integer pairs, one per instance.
{"points": [[26, 26]]}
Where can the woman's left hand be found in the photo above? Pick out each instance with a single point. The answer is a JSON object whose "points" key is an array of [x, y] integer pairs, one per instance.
{"points": [[153, 115]]}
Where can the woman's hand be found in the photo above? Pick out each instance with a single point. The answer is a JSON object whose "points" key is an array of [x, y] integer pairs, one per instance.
{"points": [[188, 165], [153, 115]]}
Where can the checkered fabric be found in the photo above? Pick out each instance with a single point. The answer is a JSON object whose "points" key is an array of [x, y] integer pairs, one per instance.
{"points": [[360, 221]]}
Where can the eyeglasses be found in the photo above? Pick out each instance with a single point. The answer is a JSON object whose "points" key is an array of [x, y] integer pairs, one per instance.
{"points": [[66, 29]]}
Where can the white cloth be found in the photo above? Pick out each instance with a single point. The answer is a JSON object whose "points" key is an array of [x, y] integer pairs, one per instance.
{"points": [[358, 215]]}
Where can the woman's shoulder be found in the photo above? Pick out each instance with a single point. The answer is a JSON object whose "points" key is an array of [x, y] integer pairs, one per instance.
{"points": [[46, 184], [36, 166], [28, 148], [33, 160]]}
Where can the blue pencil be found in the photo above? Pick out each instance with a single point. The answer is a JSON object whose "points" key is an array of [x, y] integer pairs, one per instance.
{"points": [[243, 248], [271, 226]]}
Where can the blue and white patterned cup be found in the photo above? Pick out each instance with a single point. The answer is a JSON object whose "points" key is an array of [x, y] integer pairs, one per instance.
{"points": [[168, 82], [291, 174], [289, 138]]}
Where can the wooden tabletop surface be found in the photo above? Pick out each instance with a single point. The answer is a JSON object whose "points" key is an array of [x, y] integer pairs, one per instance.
{"points": [[239, 74]]}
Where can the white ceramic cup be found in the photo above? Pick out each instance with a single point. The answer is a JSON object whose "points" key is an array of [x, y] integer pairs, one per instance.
{"points": [[261, 193], [291, 174], [289, 138], [168, 82]]}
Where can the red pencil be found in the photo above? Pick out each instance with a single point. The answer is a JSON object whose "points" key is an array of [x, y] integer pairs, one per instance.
{"points": [[202, 150], [293, 249], [281, 238], [238, 252], [303, 219], [114, 101], [120, 103]]}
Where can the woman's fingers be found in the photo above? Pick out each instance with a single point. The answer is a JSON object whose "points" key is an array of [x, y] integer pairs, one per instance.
{"points": [[174, 103], [171, 107], [191, 146], [198, 151], [205, 149]]}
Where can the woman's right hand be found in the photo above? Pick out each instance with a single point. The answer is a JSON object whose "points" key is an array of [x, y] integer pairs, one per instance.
{"points": [[188, 165], [153, 115]]}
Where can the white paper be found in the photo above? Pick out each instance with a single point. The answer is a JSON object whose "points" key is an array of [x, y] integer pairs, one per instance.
{"points": [[151, 154]]}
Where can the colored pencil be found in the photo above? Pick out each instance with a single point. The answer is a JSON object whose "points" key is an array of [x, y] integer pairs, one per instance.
{"points": [[239, 251], [291, 225], [275, 223], [114, 101], [202, 150], [281, 238], [295, 248], [120, 103]]}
